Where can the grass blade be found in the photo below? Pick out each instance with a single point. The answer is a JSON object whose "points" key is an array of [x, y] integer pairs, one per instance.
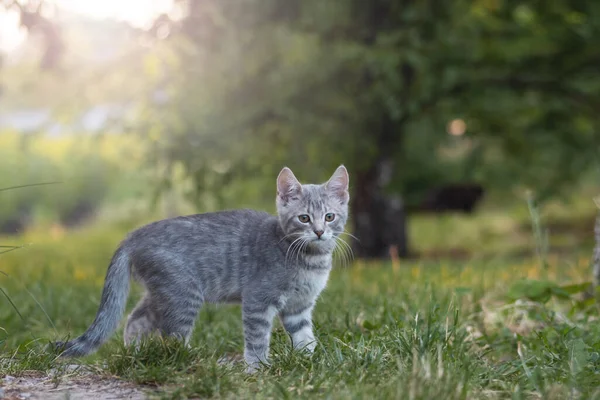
{"points": [[28, 185], [12, 304]]}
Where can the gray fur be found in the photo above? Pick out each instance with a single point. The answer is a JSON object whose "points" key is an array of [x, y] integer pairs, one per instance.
{"points": [[272, 265]]}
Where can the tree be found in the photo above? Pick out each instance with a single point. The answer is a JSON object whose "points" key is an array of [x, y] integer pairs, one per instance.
{"points": [[32, 18], [260, 84], [251, 85]]}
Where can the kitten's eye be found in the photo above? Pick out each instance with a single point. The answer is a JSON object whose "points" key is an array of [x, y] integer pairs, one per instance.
{"points": [[304, 218], [329, 217]]}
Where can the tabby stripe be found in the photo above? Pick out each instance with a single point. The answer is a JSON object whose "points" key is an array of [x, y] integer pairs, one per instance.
{"points": [[257, 335], [299, 311], [257, 309], [258, 349], [298, 326], [297, 317], [255, 323]]}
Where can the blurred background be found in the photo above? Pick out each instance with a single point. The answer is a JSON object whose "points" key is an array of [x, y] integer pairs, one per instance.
{"points": [[461, 122]]}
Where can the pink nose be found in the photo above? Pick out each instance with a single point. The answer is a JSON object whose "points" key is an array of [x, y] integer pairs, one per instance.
{"points": [[319, 234]]}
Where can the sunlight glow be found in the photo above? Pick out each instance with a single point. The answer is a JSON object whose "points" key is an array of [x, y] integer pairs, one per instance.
{"points": [[139, 13], [11, 35]]}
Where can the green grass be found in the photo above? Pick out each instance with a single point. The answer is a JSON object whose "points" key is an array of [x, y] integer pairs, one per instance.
{"points": [[412, 330]]}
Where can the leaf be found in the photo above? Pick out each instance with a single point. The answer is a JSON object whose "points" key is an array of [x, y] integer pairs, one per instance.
{"points": [[531, 289], [584, 304], [576, 288], [560, 293]]}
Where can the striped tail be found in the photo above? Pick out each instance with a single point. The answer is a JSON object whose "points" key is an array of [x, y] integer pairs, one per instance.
{"points": [[110, 312]]}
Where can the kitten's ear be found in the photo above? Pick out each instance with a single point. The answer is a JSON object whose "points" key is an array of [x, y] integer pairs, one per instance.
{"points": [[287, 185], [338, 184]]}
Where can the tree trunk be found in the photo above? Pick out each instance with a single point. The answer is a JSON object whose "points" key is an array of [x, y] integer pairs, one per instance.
{"points": [[379, 219]]}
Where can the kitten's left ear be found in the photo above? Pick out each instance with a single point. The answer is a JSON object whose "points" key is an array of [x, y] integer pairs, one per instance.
{"points": [[338, 184]]}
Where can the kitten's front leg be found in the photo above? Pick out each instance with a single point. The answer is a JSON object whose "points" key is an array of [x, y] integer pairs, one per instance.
{"points": [[258, 322], [298, 323]]}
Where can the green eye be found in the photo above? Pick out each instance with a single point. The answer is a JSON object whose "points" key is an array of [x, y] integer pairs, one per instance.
{"points": [[304, 218], [329, 217]]}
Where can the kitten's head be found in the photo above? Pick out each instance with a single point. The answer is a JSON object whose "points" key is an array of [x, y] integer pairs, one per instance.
{"points": [[313, 214]]}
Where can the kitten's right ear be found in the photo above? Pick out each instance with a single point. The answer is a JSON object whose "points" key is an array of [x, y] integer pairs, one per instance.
{"points": [[288, 186]]}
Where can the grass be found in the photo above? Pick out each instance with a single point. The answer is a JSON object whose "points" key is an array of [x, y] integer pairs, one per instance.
{"points": [[495, 327]]}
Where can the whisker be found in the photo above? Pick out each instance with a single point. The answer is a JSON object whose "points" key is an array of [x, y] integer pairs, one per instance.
{"points": [[290, 253], [346, 252], [338, 253], [350, 251], [290, 248], [288, 235], [295, 250], [339, 258], [303, 244], [351, 235]]}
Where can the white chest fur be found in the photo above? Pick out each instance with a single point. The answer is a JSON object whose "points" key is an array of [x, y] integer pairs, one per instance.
{"points": [[306, 287]]}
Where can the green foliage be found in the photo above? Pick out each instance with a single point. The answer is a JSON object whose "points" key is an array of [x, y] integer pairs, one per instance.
{"points": [[315, 85], [542, 291], [85, 177]]}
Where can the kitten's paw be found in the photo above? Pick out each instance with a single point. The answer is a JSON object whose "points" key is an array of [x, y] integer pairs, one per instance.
{"points": [[310, 347], [254, 366], [307, 347]]}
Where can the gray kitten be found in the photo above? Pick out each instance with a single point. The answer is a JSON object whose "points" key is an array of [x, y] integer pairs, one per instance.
{"points": [[272, 265]]}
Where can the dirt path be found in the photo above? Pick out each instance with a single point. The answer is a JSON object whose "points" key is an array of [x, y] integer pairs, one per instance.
{"points": [[79, 385]]}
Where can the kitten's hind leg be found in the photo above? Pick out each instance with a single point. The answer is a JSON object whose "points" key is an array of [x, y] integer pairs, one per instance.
{"points": [[141, 322], [178, 313]]}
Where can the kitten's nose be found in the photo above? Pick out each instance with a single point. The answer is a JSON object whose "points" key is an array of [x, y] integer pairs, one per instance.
{"points": [[319, 234]]}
